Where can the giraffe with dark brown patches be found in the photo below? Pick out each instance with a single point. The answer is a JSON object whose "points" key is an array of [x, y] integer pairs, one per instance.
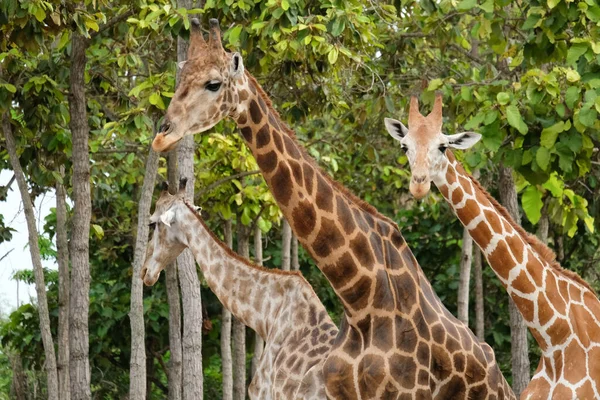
{"points": [[279, 305], [343, 234], [549, 297]]}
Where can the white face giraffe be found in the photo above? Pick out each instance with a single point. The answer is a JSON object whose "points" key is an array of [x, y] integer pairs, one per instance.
{"points": [[426, 145], [167, 240], [207, 91]]}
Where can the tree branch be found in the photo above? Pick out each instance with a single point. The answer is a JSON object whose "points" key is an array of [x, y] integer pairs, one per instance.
{"points": [[112, 22], [4, 256], [226, 179]]}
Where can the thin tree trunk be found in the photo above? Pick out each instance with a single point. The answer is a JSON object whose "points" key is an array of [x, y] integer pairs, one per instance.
{"points": [[295, 261], [519, 348], [544, 224], [286, 242], [137, 363], [479, 316], [239, 330], [80, 235], [174, 376], [226, 362], [62, 249], [19, 379], [259, 343], [465, 277], [40, 285]]}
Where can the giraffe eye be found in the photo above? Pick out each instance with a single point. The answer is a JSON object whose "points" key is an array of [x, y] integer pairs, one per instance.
{"points": [[213, 86], [152, 225], [443, 148], [403, 146]]}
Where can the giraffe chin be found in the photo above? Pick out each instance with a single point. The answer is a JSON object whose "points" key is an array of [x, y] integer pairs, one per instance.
{"points": [[164, 143], [419, 190], [148, 279]]}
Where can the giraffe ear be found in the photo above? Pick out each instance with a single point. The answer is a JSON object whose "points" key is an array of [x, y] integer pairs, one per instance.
{"points": [[395, 128], [463, 140], [237, 65], [168, 217]]}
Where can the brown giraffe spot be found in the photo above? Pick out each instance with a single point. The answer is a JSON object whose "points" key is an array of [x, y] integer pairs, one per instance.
{"points": [[371, 372], [328, 239], [406, 337], [478, 392], [478, 354], [404, 370], [553, 295], [450, 176], [344, 215], [382, 333], [397, 239], [515, 243], [545, 312], [561, 392], [309, 174], [423, 354], [324, 198], [357, 296], [594, 354], [563, 286], [405, 289], [376, 245], [362, 251], [228, 97], [481, 234], [444, 190], [223, 107], [278, 141], [262, 105], [281, 184], [522, 283], [501, 257], [452, 345], [441, 365], [292, 148], [430, 315], [296, 171], [290, 361], [242, 119], [255, 113], [424, 379], [421, 325], [394, 259], [593, 305], [364, 329], [263, 136], [468, 212], [574, 292], [457, 196], [474, 369], [383, 228], [535, 269], [526, 308], [459, 362], [391, 393], [585, 391], [369, 219], [243, 95], [211, 111], [304, 218], [574, 355], [267, 162], [383, 298], [339, 378], [454, 389], [465, 184], [273, 121], [342, 272], [438, 333]]}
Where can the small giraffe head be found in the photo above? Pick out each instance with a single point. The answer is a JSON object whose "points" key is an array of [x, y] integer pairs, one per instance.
{"points": [[207, 91], [425, 144], [168, 239]]}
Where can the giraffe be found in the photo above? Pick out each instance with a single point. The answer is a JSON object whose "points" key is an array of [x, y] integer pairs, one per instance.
{"points": [[280, 306], [560, 309], [396, 339]]}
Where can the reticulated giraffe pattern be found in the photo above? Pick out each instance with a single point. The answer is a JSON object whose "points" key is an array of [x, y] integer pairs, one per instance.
{"points": [[397, 340], [279, 305], [559, 307]]}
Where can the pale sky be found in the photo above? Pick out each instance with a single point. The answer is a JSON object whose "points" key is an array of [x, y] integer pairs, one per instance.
{"points": [[19, 258]]}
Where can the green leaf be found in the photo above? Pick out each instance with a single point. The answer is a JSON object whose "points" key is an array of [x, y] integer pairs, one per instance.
{"points": [[434, 84], [532, 204], [576, 51], [338, 27], [333, 55], [550, 134], [566, 157], [285, 4], [588, 117], [589, 223], [98, 231], [554, 185], [234, 35], [39, 14], [571, 96], [573, 76], [487, 6], [553, 3], [11, 88], [466, 5], [503, 98], [542, 157], [156, 100], [513, 116]]}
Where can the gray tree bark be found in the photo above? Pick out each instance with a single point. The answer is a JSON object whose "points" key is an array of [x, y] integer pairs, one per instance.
{"points": [[544, 224], [295, 261], [175, 372], [80, 234], [238, 329], [40, 285], [479, 309], [226, 361], [259, 343], [465, 277], [519, 348], [64, 277], [286, 243], [137, 363], [19, 379]]}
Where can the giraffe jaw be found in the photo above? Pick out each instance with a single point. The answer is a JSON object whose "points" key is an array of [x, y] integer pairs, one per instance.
{"points": [[165, 142]]}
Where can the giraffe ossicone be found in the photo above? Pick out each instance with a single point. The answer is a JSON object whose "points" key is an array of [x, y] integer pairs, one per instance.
{"points": [[559, 307], [280, 306]]}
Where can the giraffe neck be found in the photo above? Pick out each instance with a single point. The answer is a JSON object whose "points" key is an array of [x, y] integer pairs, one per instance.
{"points": [[254, 295], [346, 237], [540, 291]]}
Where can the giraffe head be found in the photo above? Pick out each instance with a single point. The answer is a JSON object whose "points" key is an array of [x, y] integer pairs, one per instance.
{"points": [[425, 144], [168, 239], [207, 91]]}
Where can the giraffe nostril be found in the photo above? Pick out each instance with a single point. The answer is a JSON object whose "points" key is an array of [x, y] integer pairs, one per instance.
{"points": [[164, 127], [419, 179]]}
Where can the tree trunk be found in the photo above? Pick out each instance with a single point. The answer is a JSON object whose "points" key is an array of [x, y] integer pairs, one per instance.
{"points": [[175, 373], [239, 330], [465, 277], [62, 249], [286, 242], [544, 224], [19, 379], [226, 362], [519, 349], [295, 261], [80, 235], [40, 285], [479, 316], [259, 343], [137, 363]]}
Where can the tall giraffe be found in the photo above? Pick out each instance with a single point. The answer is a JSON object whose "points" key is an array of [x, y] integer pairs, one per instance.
{"points": [[397, 340], [279, 305], [560, 309]]}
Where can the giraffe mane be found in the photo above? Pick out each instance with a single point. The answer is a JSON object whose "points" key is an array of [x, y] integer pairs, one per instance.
{"points": [[363, 205], [235, 255], [538, 246]]}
